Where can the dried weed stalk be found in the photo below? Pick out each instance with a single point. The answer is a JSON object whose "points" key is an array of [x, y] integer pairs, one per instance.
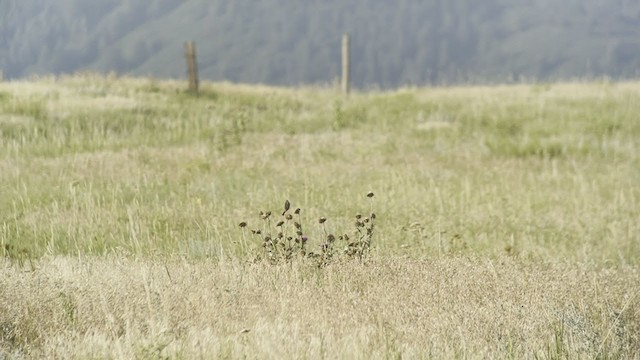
{"points": [[285, 239]]}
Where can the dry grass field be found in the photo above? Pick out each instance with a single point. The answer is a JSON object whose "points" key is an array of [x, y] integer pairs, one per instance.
{"points": [[507, 221]]}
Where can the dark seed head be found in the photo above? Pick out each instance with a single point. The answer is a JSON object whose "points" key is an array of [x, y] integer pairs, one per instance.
{"points": [[322, 220], [370, 194], [373, 216], [359, 216], [331, 238], [287, 205], [297, 211], [299, 233], [280, 223], [289, 217], [243, 224], [297, 225]]}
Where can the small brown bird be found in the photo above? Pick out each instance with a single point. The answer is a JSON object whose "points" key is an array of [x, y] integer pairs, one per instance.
{"points": [[287, 205]]}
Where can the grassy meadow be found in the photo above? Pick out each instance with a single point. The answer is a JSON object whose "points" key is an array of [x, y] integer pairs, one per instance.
{"points": [[507, 221]]}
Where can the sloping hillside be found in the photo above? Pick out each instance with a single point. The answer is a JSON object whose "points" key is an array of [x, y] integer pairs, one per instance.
{"points": [[292, 42]]}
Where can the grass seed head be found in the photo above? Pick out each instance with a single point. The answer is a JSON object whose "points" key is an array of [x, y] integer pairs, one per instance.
{"points": [[287, 205], [243, 224], [370, 194], [322, 220]]}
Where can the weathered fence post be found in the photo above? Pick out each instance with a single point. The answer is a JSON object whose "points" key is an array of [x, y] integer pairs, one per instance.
{"points": [[345, 64], [192, 66]]}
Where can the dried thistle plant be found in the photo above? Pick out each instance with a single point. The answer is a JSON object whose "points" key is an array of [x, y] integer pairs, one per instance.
{"points": [[287, 240]]}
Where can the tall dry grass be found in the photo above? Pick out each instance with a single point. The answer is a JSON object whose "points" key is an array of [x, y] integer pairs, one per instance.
{"points": [[386, 308], [507, 221]]}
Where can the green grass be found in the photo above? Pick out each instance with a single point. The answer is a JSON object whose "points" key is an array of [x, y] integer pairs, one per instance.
{"points": [[95, 165], [540, 177]]}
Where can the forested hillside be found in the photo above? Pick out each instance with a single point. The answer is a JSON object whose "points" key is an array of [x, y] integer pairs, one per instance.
{"points": [[289, 42]]}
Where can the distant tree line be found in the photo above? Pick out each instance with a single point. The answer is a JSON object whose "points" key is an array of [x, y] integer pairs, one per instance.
{"points": [[290, 42]]}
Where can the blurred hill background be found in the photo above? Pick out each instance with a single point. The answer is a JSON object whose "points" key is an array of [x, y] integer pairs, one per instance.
{"points": [[291, 42]]}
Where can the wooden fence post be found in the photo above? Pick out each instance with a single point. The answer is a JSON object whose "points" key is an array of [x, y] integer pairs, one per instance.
{"points": [[345, 64], [192, 66]]}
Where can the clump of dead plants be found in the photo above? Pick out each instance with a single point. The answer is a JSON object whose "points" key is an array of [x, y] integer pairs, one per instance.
{"points": [[283, 237]]}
